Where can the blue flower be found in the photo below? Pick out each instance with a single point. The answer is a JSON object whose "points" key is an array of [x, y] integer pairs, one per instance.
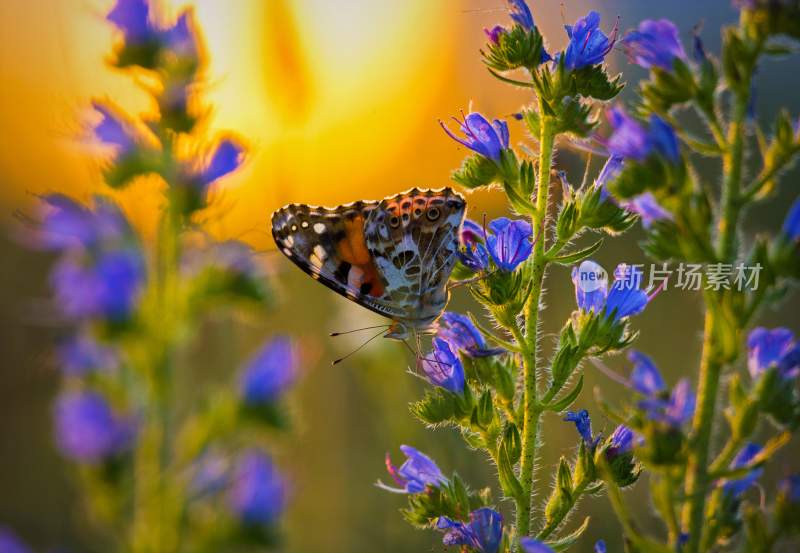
{"points": [[631, 140], [587, 43], [132, 17], [68, 225], [676, 410], [623, 300], [791, 226], [10, 543], [494, 33], [443, 368], [583, 424], [480, 136], [180, 39], [483, 533], [82, 354], [645, 376], [521, 14], [600, 546], [647, 208], [473, 254], [417, 473], [609, 172], [112, 129], [460, 332], [227, 157], [269, 373], [789, 488], [87, 430], [736, 487], [776, 347], [532, 545], [107, 287], [511, 243], [211, 473], [620, 442], [258, 493], [655, 44]]}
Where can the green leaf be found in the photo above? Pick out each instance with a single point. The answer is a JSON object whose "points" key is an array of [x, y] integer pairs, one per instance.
{"points": [[563, 403], [475, 171], [580, 255], [565, 542]]}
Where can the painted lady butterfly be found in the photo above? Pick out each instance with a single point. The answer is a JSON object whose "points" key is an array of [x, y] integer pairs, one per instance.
{"points": [[392, 256]]}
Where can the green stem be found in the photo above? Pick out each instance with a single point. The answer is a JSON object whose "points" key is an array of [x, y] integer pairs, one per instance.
{"points": [[697, 471], [537, 263], [642, 542]]}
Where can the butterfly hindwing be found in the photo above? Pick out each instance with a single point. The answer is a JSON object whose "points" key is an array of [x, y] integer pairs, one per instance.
{"points": [[413, 239], [329, 245]]}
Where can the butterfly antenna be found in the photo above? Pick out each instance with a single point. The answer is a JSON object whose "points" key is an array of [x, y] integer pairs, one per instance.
{"points": [[359, 348], [332, 334]]}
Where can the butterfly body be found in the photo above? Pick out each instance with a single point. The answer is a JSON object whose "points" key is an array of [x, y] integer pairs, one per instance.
{"points": [[392, 256]]}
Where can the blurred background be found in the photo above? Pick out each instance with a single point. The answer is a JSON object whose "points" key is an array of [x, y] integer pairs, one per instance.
{"points": [[338, 101]]}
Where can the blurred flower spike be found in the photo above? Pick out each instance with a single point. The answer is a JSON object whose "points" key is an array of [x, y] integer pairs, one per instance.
{"points": [[483, 533], [737, 486], [415, 475], [773, 348]]}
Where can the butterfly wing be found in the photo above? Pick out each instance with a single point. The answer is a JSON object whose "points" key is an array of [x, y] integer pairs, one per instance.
{"points": [[329, 245], [413, 239]]}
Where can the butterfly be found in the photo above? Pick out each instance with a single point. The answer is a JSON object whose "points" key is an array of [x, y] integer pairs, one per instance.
{"points": [[392, 256]]}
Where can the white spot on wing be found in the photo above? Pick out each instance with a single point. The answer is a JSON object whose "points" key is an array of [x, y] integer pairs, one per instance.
{"points": [[287, 251], [304, 224], [319, 228], [319, 252], [289, 241]]}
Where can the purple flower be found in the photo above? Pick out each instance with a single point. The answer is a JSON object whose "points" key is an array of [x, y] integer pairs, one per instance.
{"points": [[460, 332], [112, 130], [621, 442], [180, 39], [511, 243], [532, 545], [269, 373], [211, 473], [483, 533], [609, 172], [82, 354], [415, 474], [631, 140], [624, 299], [473, 255], [645, 376], [791, 226], [87, 430], [521, 14], [647, 208], [132, 17], [676, 410], [776, 347], [494, 33], [587, 43], [258, 493], [600, 546], [68, 225], [107, 287], [443, 368], [736, 487], [227, 157], [583, 424], [10, 543], [480, 136], [789, 488], [655, 44]]}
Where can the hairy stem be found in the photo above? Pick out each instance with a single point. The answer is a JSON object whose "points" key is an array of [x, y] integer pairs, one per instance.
{"points": [[531, 409]]}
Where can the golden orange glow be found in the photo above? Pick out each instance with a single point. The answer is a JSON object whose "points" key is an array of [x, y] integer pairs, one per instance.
{"points": [[337, 100]]}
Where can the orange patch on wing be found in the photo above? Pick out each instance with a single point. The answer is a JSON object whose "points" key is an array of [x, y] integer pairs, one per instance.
{"points": [[353, 249]]}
